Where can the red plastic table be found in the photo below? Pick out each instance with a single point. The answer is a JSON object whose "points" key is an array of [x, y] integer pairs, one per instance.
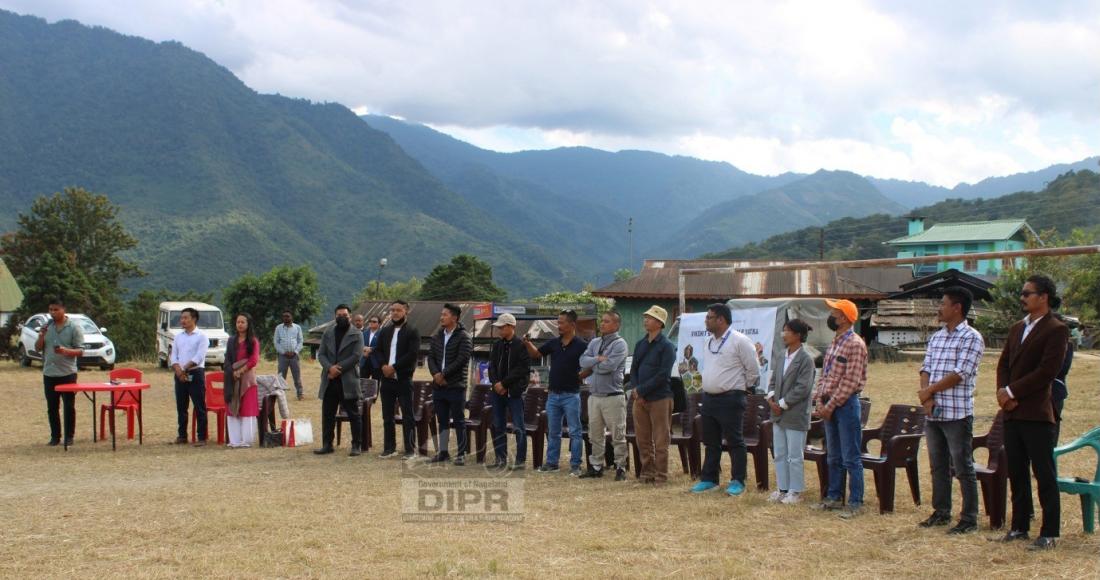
{"points": [[132, 390]]}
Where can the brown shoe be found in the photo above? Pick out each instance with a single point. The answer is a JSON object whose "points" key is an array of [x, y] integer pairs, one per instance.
{"points": [[199, 443]]}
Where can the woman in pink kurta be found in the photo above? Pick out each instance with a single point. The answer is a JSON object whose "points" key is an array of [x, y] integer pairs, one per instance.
{"points": [[242, 354]]}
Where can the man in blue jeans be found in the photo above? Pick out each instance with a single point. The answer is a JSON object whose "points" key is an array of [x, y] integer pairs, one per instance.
{"points": [[836, 400], [509, 370], [565, 353]]}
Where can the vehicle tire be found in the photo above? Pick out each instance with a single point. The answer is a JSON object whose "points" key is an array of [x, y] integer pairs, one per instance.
{"points": [[163, 361], [106, 367], [24, 360]]}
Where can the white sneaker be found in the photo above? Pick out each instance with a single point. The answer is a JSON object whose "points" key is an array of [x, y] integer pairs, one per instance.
{"points": [[792, 498], [776, 497]]}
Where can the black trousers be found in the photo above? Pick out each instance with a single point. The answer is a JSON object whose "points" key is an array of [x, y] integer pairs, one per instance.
{"points": [[450, 409], [723, 416], [393, 393], [334, 398], [54, 400], [1030, 447], [194, 391]]}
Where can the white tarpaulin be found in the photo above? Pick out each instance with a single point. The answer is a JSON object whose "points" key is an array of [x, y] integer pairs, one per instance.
{"points": [[759, 325], [756, 323]]}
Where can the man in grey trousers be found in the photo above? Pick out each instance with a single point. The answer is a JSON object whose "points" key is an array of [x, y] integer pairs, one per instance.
{"points": [[605, 361]]}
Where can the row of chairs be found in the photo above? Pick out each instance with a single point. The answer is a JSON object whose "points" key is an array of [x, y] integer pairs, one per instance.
{"points": [[898, 439]]}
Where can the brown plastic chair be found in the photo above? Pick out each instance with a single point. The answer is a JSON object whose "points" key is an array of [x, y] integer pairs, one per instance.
{"points": [[993, 476], [819, 455], [480, 417], [900, 435], [534, 422], [689, 438], [423, 418], [758, 440]]}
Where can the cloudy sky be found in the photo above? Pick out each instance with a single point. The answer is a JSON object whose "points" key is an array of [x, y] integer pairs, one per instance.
{"points": [[936, 91]]}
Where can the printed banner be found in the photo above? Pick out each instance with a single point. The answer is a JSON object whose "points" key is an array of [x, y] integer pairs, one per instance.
{"points": [[690, 342], [759, 325]]}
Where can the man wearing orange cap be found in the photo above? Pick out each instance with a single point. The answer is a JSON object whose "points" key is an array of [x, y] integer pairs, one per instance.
{"points": [[836, 400]]}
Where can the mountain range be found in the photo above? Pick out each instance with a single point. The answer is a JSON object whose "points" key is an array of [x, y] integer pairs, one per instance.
{"points": [[216, 180]]}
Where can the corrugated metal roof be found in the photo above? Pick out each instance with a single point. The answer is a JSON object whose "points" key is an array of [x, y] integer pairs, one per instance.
{"points": [[11, 297], [660, 279], [965, 232]]}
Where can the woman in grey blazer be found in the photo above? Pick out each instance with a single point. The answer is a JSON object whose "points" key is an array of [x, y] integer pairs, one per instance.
{"points": [[789, 393]]}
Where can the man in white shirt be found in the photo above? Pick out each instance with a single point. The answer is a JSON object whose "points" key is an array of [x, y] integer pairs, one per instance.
{"points": [[730, 368], [188, 361]]}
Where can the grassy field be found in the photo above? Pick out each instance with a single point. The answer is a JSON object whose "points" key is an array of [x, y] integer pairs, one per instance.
{"points": [[161, 510]]}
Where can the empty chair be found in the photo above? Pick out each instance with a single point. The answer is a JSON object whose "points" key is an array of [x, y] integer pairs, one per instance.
{"points": [[687, 434], [125, 401], [215, 403], [479, 418], [993, 476], [900, 435]]}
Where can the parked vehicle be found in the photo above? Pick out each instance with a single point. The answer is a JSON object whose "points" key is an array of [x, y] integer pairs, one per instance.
{"points": [[211, 322], [98, 349]]}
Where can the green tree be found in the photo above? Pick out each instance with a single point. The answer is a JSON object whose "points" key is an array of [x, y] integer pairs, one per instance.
{"points": [[623, 274], [583, 297], [71, 244], [408, 290], [135, 332], [466, 277], [266, 296], [1004, 309]]}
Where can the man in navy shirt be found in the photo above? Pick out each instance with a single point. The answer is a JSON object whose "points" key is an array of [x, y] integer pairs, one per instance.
{"points": [[565, 391]]}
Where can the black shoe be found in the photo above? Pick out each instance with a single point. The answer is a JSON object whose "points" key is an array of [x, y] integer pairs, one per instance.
{"points": [[547, 468], [498, 464], [460, 460], [1014, 535], [54, 442], [68, 442], [387, 454], [620, 474], [324, 450], [408, 456], [356, 451], [935, 520], [963, 528], [592, 472], [1042, 543], [440, 458]]}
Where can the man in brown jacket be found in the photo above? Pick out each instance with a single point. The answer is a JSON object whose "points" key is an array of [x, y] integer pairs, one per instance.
{"points": [[1030, 361]]}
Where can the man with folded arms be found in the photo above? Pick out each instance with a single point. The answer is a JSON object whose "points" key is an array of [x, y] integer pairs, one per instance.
{"points": [[605, 361]]}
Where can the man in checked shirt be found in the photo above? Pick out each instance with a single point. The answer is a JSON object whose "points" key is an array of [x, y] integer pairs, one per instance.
{"points": [[836, 400], [947, 380]]}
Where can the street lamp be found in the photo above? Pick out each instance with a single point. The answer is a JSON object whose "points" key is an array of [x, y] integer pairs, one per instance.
{"points": [[378, 284]]}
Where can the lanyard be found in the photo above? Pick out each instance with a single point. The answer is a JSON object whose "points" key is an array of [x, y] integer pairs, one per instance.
{"points": [[720, 345], [834, 352]]}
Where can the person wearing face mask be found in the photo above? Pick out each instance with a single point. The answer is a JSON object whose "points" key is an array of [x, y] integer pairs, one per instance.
{"points": [[836, 400], [398, 349], [341, 349]]}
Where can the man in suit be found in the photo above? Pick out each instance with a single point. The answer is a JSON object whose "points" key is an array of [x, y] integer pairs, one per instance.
{"points": [[1031, 359], [371, 367], [341, 349], [398, 348]]}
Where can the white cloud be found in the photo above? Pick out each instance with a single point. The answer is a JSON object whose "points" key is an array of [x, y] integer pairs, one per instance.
{"points": [[937, 91]]}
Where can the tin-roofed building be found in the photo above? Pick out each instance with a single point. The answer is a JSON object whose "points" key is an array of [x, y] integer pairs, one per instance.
{"points": [[964, 238], [11, 297]]}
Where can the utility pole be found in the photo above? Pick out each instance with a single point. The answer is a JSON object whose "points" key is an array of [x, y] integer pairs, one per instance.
{"points": [[630, 243], [821, 244]]}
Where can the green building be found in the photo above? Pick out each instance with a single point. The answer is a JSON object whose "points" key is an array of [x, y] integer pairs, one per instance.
{"points": [[964, 238]]}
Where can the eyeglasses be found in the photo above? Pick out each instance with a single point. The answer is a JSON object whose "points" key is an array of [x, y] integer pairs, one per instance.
{"points": [[1026, 293]]}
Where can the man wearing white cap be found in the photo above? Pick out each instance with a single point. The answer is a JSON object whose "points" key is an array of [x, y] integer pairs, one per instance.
{"points": [[509, 369], [654, 356]]}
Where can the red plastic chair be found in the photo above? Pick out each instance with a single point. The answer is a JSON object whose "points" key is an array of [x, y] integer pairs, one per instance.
{"points": [[120, 402], [215, 403]]}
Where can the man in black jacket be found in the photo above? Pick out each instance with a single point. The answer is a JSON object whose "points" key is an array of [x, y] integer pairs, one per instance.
{"points": [[449, 362], [509, 370], [399, 347]]}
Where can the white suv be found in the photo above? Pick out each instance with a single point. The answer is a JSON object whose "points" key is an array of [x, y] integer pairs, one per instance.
{"points": [[98, 349]]}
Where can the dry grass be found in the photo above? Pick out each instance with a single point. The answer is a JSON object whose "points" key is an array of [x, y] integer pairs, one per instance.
{"points": [[161, 510]]}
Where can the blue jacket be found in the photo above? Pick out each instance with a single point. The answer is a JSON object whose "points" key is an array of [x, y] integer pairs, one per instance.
{"points": [[652, 367]]}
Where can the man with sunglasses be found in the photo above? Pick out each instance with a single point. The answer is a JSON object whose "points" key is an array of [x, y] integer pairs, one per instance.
{"points": [[1029, 363], [565, 353]]}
